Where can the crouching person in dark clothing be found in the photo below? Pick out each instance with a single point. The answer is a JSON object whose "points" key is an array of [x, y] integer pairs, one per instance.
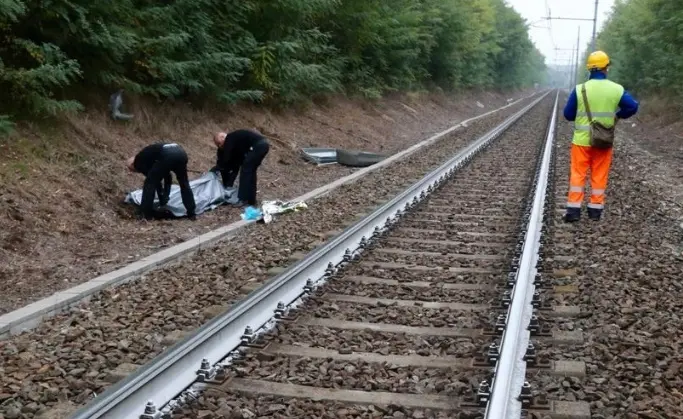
{"points": [[156, 162], [242, 150]]}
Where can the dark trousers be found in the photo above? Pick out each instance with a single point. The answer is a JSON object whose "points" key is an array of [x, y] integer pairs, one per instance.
{"points": [[252, 160], [173, 159]]}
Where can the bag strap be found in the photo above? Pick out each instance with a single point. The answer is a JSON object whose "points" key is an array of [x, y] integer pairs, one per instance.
{"points": [[585, 103]]}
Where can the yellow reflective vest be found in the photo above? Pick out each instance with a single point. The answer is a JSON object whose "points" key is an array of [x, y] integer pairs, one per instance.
{"points": [[603, 97]]}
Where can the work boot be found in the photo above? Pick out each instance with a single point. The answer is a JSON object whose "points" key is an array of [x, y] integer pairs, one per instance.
{"points": [[572, 215], [240, 204], [594, 214]]}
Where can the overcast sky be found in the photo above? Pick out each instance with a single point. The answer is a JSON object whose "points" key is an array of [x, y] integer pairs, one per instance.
{"points": [[548, 35]]}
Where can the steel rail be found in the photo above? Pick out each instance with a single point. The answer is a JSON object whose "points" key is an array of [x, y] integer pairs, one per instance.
{"points": [[510, 369], [166, 376]]}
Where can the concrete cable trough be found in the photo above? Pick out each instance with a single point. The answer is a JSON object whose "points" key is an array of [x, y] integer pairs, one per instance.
{"points": [[204, 358]]}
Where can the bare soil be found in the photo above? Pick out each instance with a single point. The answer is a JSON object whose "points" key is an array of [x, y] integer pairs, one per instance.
{"points": [[62, 220], [657, 134]]}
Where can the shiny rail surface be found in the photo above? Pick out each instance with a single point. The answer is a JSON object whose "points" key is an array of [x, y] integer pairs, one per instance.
{"points": [[195, 358], [510, 371]]}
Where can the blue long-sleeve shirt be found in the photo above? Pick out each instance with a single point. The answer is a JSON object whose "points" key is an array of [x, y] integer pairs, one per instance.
{"points": [[628, 106]]}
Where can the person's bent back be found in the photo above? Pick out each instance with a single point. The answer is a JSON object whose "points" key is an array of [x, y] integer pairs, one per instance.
{"points": [[240, 151], [156, 162]]}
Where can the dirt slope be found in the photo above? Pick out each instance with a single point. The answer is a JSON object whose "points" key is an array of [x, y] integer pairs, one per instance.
{"points": [[657, 130], [61, 187]]}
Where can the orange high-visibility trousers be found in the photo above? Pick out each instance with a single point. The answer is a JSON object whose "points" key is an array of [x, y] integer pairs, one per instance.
{"points": [[599, 162]]}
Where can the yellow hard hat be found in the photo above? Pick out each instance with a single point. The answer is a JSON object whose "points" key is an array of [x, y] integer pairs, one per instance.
{"points": [[598, 60]]}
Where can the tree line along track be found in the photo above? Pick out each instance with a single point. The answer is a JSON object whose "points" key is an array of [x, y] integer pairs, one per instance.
{"points": [[405, 330]]}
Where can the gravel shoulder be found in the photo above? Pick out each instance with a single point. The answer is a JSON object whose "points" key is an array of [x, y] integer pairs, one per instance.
{"points": [[629, 269]]}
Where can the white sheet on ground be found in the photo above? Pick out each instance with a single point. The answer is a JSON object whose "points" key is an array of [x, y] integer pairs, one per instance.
{"points": [[208, 192]]}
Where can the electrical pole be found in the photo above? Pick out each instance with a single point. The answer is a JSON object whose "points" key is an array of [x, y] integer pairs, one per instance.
{"points": [[578, 47], [572, 67], [595, 25], [593, 41], [568, 71]]}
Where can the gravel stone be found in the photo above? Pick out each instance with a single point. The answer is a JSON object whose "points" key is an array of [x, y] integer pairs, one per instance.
{"points": [[378, 342], [125, 327], [629, 282], [406, 292], [240, 406], [121, 372], [436, 276], [407, 316], [358, 374]]}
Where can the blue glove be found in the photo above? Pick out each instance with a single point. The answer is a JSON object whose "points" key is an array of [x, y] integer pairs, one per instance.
{"points": [[252, 213]]}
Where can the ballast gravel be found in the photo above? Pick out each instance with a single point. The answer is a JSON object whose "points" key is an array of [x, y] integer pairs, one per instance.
{"points": [[73, 356], [629, 271]]}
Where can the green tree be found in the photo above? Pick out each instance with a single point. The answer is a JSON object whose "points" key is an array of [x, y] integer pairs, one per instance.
{"points": [[644, 39], [32, 71], [52, 51]]}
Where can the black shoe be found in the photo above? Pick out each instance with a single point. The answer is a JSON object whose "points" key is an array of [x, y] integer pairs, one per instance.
{"points": [[192, 217], [594, 214], [240, 204], [572, 215]]}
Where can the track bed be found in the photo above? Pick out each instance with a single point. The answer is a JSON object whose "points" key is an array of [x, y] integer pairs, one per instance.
{"points": [[70, 358], [402, 331]]}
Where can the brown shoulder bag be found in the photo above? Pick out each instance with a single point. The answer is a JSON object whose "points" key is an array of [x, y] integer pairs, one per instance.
{"points": [[600, 135]]}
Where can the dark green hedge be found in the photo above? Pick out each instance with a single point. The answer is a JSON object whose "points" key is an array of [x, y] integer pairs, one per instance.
{"points": [[275, 50], [644, 39]]}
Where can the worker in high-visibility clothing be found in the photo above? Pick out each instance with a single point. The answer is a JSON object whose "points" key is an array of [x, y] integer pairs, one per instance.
{"points": [[607, 102]]}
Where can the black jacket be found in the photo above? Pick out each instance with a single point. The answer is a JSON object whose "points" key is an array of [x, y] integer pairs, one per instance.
{"points": [[230, 157], [143, 163]]}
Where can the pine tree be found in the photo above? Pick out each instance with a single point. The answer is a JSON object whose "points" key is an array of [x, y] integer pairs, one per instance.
{"points": [[282, 51]]}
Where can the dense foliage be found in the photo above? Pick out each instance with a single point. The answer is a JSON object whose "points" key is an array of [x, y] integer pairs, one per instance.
{"points": [[644, 39], [278, 50]]}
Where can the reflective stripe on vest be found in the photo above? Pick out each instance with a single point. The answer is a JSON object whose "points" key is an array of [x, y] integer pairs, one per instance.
{"points": [[603, 97]]}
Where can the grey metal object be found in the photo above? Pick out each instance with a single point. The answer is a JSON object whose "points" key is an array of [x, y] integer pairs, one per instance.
{"points": [[208, 192], [115, 103], [320, 155], [163, 378], [352, 158], [595, 25], [510, 369], [357, 158]]}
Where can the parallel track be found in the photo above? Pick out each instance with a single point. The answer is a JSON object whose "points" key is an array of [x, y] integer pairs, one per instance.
{"points": [[421, 307]]}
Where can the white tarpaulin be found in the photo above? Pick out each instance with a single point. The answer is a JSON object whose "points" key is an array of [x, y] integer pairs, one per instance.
{"points": [[208, 193]]}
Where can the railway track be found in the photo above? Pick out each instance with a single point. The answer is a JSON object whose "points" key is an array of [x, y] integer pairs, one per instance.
{"points": [[428, 307]]}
